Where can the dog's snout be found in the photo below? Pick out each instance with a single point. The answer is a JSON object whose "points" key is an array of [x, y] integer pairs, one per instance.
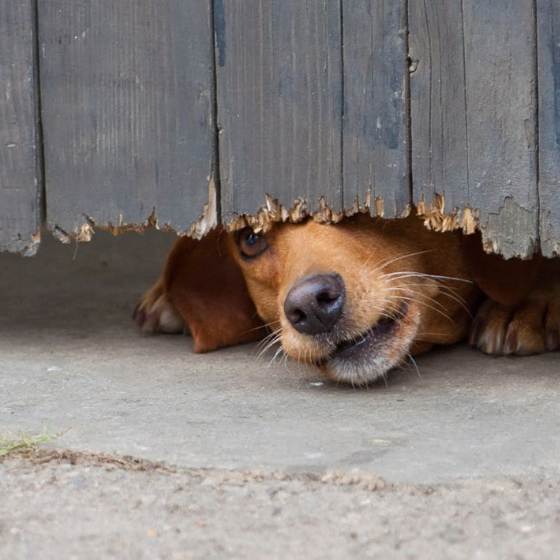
{"points": [[315, 303]]}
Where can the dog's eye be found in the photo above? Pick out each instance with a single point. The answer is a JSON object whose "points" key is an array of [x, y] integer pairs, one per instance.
{"points": [[251, 244]]}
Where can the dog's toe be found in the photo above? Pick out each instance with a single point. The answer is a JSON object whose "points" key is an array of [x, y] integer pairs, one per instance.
{"points": [[526, 333], [155, 313], [530, 328]]}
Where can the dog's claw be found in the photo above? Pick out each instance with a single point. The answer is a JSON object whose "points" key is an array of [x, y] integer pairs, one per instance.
{"points": [[511, 345]]}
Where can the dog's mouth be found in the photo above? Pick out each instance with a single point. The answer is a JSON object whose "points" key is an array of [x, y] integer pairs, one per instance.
{"points": [[369, 355], [377, 334]]}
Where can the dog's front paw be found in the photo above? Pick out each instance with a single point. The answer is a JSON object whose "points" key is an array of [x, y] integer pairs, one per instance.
{"points": [[155, 313], [530, 328]]}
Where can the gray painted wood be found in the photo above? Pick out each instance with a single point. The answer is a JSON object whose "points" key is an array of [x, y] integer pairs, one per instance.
{"points": [[500, 43], [473, 109], [438, 102], [19, 180], [279, 102], [127, 110], [548, 19], [375, 150], [312, 102]]}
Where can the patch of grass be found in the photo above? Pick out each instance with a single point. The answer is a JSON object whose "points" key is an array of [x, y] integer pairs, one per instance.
{"points": [[23, 442]]}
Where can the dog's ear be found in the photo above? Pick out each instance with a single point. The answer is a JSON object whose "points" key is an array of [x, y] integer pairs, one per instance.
{"points": [[207, 288], [507, 282]]}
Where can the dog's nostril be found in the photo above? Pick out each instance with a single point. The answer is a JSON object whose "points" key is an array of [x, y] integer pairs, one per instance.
{"points": [[315, 303], [296, 316], [327, 297]]}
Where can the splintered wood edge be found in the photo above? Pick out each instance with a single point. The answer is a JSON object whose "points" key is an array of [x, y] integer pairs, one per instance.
{"points": [[25, 246], [207, 221], [434, 215]]}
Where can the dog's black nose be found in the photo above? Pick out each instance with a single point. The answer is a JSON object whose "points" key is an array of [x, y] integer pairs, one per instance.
{"points": [[315, 303]]}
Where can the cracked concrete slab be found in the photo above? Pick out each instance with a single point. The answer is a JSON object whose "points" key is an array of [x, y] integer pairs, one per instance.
{"points": [[73, 363]]}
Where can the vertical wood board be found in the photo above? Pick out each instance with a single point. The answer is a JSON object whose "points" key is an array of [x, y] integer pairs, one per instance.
{"points": [[500, 56], [375, 134], [19, 169], [279, 85], [127, 110], [438, 102], [473, 104], [548, 32]]}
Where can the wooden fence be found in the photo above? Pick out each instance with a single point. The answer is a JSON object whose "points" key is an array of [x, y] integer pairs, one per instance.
{"points": [[115, 113]]}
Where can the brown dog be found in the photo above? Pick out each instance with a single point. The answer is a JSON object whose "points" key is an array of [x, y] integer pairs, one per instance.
{"points": [[357, 298]]}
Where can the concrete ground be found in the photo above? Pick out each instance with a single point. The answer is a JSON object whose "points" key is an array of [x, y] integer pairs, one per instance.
{"points": [[233, 457]]}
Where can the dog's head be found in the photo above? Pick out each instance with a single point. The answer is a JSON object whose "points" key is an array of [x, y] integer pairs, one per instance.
{"points": [[356, 298]]}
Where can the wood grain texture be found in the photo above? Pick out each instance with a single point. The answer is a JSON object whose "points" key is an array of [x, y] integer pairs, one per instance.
{"points": [[375, 150], [311, 103], [548, 32], [438, 102], [279, 86], [473, 110], [127, 111], [19, 169], [500, 65]]}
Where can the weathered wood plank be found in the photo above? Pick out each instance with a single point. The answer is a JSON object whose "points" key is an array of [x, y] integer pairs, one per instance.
{"points": [[474, 136], [279, 102], [548, 33], [501, 100], [127, 111], [375, 136], [438, 102], [19, 170]]}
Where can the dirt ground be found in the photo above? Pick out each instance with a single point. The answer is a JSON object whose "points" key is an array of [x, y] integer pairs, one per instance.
{"points": [[70, 505]]}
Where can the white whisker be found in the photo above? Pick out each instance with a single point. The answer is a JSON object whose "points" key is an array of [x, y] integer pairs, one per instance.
{"points": [[411, 274]]}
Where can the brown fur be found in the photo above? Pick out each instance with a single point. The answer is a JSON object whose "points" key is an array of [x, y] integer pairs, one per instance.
{"points": [[205, 287], [387, 266]]}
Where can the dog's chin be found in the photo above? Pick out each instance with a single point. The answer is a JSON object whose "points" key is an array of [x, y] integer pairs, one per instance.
{"points": [[369, 357]]}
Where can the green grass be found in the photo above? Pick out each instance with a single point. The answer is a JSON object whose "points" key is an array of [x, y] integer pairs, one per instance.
{"points": [[23, 442]]}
